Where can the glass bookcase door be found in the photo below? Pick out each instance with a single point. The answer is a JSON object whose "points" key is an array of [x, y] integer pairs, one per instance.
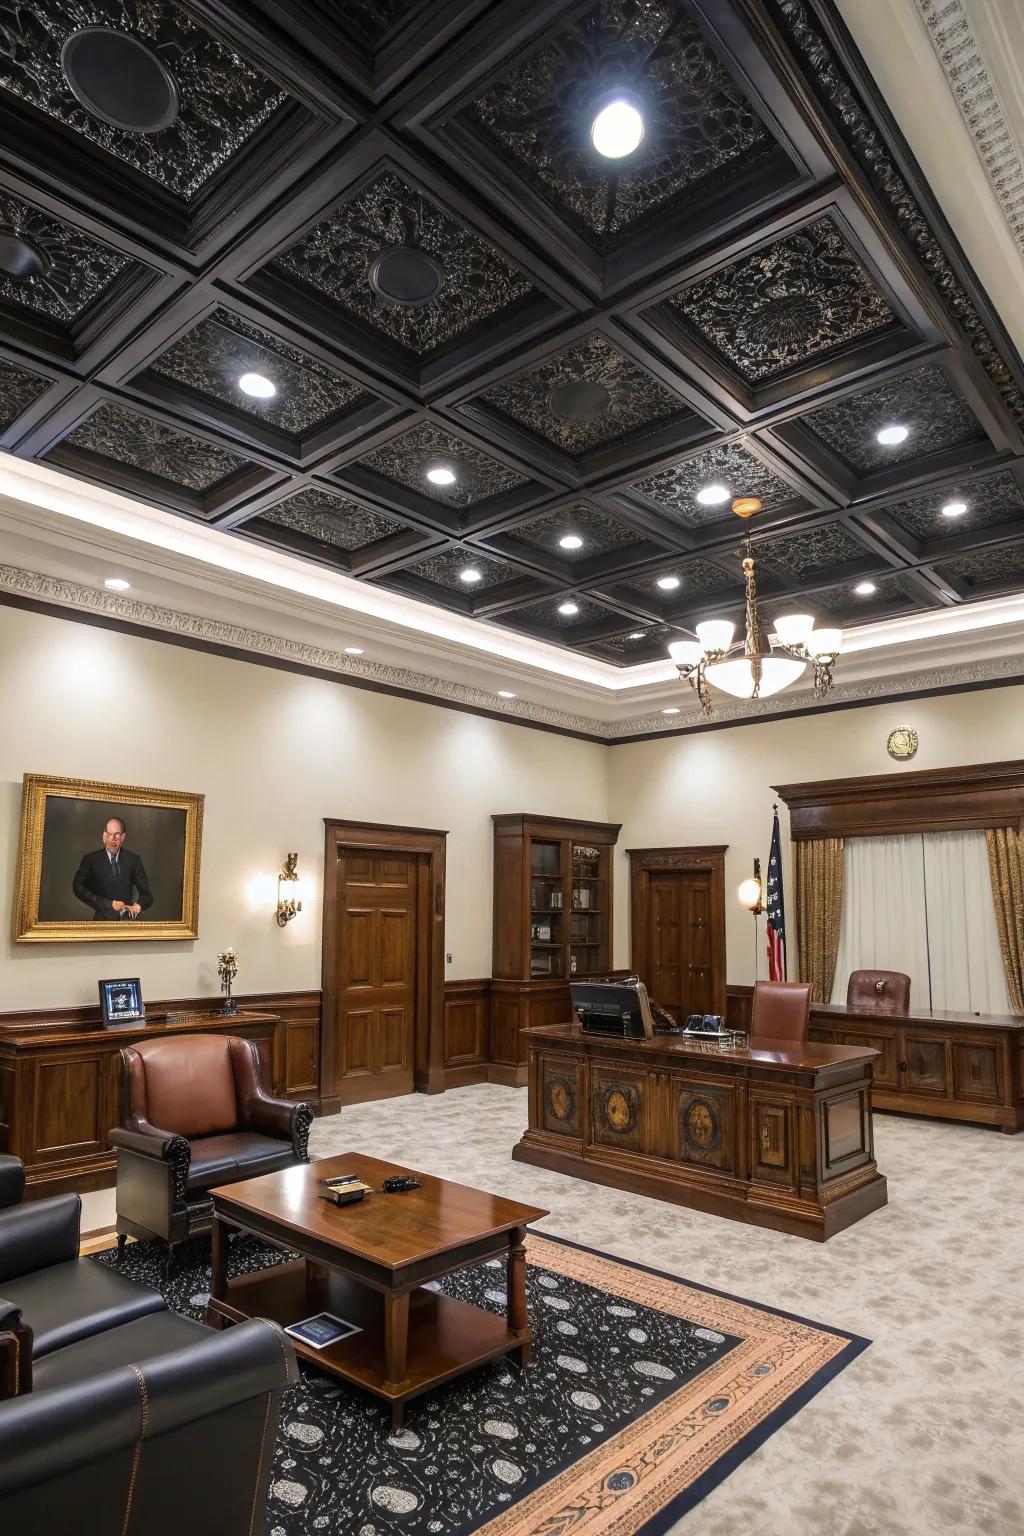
{"points": [[547, 909], [588, 935]]}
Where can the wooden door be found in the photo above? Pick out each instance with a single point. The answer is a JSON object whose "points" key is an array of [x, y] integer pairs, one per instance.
{"points": [[376, 980], [680, 973]]}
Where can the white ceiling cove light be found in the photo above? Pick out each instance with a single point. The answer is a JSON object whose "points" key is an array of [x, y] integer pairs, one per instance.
{"points": [[754, 668], [354, 650], [617, 129], [503, 693], [713, 495], [117, 584], [441, 475], [890, 436], [258, 386]]}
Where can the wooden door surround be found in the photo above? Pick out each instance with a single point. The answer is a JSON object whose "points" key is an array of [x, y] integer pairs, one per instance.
{"points": [[418, 855], [646, 865]]}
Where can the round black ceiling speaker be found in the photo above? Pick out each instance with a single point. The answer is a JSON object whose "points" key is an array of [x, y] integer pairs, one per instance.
{"points": [[405, 275], [118, 77], [19, 258], [579, 400]]}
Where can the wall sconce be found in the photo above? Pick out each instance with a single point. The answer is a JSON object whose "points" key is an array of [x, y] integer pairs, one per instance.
{"points": [[288, 905]]}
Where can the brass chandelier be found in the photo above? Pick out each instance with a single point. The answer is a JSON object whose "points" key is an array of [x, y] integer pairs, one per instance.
{"points": [[760, 665]]}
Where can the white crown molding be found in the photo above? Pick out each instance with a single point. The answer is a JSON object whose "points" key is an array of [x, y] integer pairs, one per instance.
{"points": [[974, 90], [62, 593]]}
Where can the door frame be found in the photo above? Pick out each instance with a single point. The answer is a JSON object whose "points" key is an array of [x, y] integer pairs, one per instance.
{"points": [[428, 1042], [645, 862]]}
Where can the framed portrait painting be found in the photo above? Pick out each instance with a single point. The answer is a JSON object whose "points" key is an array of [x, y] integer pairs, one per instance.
{"points": [[106, 861]]}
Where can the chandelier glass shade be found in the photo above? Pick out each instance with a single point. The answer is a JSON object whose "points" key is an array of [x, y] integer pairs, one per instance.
{"points": [[760, 665]]}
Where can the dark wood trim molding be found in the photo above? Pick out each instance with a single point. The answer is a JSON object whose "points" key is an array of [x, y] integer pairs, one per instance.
{"points": [[643, 862], [934, 800], [429, 1046]]}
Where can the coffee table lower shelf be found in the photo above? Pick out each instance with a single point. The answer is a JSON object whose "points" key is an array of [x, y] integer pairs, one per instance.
{"points": [[446, 1337]]}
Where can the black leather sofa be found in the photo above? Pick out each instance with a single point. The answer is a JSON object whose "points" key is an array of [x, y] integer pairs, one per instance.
{"points": [[126, 1419]]}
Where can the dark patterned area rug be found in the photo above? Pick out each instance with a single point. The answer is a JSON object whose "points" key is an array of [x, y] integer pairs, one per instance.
{"points": [[644, 1393]]}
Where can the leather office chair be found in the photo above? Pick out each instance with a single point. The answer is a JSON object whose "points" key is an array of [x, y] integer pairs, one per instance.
{"points": [[879, 991], [195, 1116], [781, 1011]]}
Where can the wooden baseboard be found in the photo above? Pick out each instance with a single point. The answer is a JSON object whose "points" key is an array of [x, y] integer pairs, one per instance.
{"points": [[98, 1241]]}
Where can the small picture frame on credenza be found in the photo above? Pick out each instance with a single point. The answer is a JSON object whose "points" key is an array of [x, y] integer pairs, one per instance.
{"points": [[121, 1004]]}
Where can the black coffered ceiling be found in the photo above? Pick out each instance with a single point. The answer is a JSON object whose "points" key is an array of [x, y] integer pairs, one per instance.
{"points": [[394, 212]]}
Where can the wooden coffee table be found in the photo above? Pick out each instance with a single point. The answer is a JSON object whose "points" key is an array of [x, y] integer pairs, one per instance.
{"points": [[368, 1264]]}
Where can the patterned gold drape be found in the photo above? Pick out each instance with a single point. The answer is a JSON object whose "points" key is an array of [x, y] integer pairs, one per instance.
{"points": [[1006, 866], [818, 863]]}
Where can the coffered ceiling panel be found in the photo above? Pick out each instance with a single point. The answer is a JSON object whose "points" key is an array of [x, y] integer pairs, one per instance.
{"points": [[366, 283]]}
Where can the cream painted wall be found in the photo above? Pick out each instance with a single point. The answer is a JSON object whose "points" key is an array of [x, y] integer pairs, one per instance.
{"points": [[274, 754], [716, 787]]}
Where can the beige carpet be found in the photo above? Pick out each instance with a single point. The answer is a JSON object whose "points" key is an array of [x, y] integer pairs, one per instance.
{"points": [[923, 1435]]}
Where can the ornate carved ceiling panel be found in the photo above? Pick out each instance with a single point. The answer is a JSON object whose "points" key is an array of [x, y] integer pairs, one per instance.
{"points": [[796, 301], [700, 128], [466, 281], [222, 99], [394, 211], [212, 357]]}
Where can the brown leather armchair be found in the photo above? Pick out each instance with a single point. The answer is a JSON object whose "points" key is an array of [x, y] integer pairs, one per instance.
{"points": [[195, 1115], [781, 1011], [879, 991]]}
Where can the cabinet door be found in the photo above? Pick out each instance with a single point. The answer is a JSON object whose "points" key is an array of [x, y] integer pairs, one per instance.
{"points": [[773, 1142], [704, 1125], [923, 1064], [886, 1070], [977, 1071], [560, 1096], [618, 1110]]}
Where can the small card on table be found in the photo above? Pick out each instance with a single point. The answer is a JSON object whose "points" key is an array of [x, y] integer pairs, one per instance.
{"points": [[322, 1330]]}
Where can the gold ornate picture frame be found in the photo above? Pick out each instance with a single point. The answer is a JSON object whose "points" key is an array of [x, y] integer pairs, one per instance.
{"points": [[66, 880]]}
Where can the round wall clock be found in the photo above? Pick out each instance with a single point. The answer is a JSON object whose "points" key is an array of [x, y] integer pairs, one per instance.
{"points": [[902, 743]]}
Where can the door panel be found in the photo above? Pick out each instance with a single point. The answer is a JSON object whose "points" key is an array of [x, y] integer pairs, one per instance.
{"points": [[376, 974], [977, 1075], [924, 1064], [680, 970], [884, 1072]]}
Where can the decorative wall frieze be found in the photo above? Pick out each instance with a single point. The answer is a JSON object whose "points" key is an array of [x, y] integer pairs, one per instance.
{"points": [[974, 91], [59, 592]]}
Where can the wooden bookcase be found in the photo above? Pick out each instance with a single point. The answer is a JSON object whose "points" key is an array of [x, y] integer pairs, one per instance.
{"points": [[552, 922]]}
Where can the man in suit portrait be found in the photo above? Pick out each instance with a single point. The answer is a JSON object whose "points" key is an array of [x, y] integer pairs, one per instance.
{"points": [[113, 880]]}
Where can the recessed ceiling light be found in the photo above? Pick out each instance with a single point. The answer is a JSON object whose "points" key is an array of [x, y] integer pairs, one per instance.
{"points": [[617, 129], [865, 589], [890, 436], [117, 584], [637, 634], [441, 475], [570, 541], [470, 574], [954, 509], [354, 650], [713, 495], [670, 711], [258, 386], [668, 583], [503, 693], [568, 609]]}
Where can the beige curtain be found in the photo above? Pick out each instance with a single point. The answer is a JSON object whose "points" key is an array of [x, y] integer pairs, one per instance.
{"points": [[1006, 866], [818, 862]]}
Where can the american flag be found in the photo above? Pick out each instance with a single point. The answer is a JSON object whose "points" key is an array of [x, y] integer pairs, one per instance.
{"points": [[776, 910]]}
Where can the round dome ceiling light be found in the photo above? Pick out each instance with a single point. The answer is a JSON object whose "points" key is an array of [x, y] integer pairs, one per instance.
{"points": [[890, 436], [354, 650], [258, 386], [865, 589], [713, 495], [405, 275], [19, 258], [618, 129], [119, 78], [570, 541], [954, 509], [503, 693], [440, 474], [569, 610], [470, 575], [668, 583], [637, 634], [579, 400], [117, 584], [672, 711]]}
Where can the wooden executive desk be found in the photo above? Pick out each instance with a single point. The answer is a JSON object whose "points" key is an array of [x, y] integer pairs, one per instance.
{"points": [[951, 1066], [779, 1136]]}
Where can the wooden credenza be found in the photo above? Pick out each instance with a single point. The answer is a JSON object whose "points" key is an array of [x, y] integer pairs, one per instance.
{"points": [[779, 1136], [951, 1066], [60, 1088]]}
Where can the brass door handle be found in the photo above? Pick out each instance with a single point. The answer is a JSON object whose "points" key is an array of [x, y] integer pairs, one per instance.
{"points": [[904, 1065]]}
